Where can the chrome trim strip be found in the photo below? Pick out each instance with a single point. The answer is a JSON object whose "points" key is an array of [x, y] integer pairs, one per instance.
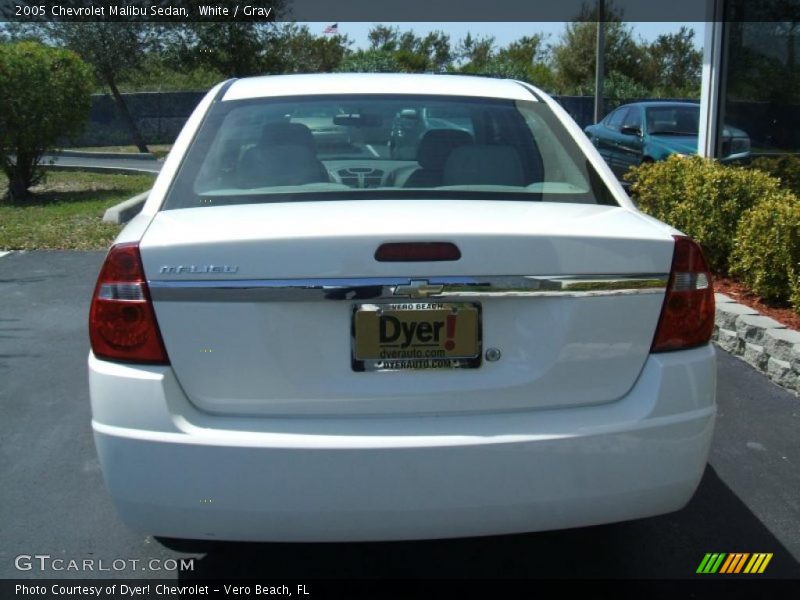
{"points": [[384, 288]]}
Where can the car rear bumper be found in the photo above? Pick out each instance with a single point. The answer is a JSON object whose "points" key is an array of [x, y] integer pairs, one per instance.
{"points": [[176, 472]]}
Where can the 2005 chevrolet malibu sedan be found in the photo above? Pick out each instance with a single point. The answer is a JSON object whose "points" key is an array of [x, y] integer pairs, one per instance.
{"points": [[306, 342]]}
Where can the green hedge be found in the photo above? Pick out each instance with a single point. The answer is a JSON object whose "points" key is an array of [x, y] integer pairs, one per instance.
{"points": [[747, 221], [767, 249], [785, 167], [44, 96], [701, 197]]}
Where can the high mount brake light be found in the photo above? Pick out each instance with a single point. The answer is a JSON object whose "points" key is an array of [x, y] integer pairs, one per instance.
{"points": [[687, 316], [122, 323], [417, 252]]}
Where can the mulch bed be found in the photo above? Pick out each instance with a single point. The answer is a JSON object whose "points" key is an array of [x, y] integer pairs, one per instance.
{"points": [[741, 294]]}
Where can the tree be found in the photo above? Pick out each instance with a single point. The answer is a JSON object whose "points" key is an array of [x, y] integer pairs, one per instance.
{"points": [[529, 49], [294, 49], [231, 47], [619, 87], [236, 49], [383, 38], [672, 65], [574, 56], [474, 53], [410, 53], [763, 58], [435, 48], [114, 50], [370, 61], [525, 59], [46, 95]]}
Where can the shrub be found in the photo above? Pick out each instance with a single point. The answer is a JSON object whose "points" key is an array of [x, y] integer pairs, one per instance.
{"points": [[45, 95], [785, 167], [370, 61], [702, 198], [767, 250], [794, 299]]}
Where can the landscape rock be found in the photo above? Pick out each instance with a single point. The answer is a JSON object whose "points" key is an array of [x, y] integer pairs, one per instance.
{"points": [[755, 355], [753, 328], [727, 313], [781, 343], [781, 372], [729, 341]]}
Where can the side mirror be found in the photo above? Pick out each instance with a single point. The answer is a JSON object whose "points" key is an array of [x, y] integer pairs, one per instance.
{"points": [[631, 131]]}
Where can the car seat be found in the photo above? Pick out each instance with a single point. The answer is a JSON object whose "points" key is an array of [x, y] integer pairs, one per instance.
{"points": [[285, 155], [484, 165]]}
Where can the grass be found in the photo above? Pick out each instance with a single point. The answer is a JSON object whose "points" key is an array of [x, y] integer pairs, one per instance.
{"points": [[158, 150], [66, 210]]}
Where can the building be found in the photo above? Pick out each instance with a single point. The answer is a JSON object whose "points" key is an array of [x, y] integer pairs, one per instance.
{"points": [[751, 78]]}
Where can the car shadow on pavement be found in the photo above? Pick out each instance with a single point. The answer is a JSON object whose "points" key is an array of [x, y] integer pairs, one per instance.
{"points": [[669, 546]]}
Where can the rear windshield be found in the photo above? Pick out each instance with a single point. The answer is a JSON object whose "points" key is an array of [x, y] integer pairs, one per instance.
{"points": [[354, 147], [673, 120]]}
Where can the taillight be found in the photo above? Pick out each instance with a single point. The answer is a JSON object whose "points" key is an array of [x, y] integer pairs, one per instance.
{"points": [[122, 324], [687, 317]]}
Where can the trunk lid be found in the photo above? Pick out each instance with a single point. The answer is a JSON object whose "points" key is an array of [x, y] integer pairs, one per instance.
{"points": [[238, 350]]}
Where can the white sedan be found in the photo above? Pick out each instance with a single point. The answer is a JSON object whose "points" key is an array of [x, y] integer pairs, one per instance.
{"points": [[298, 343]]}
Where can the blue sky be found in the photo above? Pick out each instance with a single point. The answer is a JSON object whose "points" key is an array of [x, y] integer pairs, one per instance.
{"points": [[504, 33]]}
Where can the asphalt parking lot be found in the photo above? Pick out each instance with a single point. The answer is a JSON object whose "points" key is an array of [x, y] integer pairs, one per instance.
{"points": [[54, 502]]}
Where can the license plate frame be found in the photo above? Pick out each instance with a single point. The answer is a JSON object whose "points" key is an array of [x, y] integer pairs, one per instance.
{"points": [[374, 350]]}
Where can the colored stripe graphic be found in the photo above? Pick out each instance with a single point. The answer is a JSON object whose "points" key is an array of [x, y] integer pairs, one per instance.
{"points": [[741, 562], [711, 563], [717, 564], [734, 563], [732, 558], [703, 563], [728, 564], [758, 563], [765, 563]]}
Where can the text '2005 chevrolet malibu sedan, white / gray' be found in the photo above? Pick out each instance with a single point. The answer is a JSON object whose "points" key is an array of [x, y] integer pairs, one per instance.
{"points": [[307, 335]]}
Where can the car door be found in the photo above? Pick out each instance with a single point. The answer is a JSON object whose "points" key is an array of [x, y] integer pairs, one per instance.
{"points": [[628, 151], [605, 135]]}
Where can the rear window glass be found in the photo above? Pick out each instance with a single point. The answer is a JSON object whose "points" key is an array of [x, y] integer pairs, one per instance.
{"points": [[352, 147], [674, 120]]}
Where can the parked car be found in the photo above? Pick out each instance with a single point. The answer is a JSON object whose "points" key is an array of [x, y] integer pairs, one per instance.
{"points": [[650, 131], [289, 345]]}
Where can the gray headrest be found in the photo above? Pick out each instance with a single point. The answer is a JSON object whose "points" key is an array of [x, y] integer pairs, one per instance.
{"points": [[483, 165], [436, 145], [280, 165], [286, 134]]}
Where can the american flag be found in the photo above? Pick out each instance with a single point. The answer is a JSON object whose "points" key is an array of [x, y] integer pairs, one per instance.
{"points": [[332, 28]]}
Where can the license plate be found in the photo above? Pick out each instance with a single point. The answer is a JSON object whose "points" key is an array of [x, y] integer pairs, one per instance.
{"points": [[416, 335]]}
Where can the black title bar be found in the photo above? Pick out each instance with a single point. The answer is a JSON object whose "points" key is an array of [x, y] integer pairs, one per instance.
{"points": [[376, 589], [382, 10]]}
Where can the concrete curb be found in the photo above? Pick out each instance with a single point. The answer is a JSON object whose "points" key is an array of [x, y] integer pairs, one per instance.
{"points": [[762, 342], [125, 211], [87, 154], [107, 170]]}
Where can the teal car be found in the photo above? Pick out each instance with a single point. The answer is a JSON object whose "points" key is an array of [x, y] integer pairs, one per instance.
{"points": [[648, 131]]}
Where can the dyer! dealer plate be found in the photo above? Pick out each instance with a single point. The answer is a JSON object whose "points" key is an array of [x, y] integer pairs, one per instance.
{"points": [[416, 335]]}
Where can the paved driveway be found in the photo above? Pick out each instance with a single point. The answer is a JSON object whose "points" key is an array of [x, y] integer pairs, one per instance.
{"points": [[53, 500]]}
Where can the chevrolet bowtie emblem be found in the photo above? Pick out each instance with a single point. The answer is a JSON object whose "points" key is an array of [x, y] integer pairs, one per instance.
{"points": [[418, 288]]}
